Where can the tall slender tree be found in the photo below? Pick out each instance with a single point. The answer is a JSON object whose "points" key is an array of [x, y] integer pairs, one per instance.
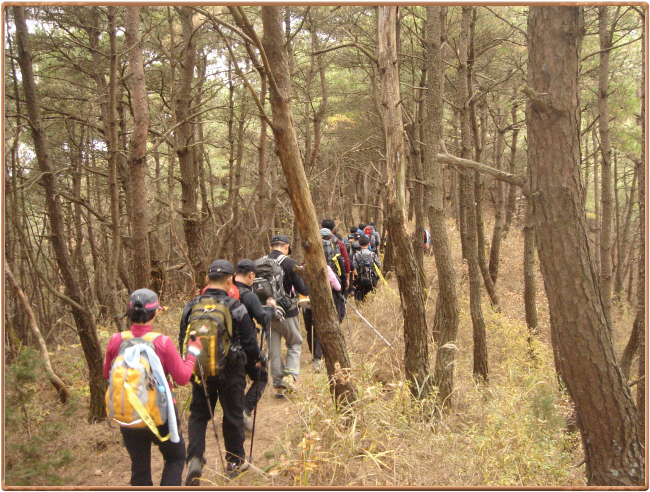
{"points": [[583, 347]]}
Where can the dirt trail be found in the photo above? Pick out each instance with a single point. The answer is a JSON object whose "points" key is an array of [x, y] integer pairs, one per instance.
{"points": [[107, 462]]}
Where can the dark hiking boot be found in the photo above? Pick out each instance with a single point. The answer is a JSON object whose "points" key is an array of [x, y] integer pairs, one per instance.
{"points": [[194, 468], [233, 470]]}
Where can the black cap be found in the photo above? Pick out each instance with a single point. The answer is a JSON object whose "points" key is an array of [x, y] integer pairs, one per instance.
{"points": [[218, 267], [281, 238], [247, 265], [145, 299]]}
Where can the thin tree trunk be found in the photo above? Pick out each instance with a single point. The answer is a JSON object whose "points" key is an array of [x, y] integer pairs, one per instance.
{"points": [[83, 318], [185, 144], [320, 293], [480, 369], [530, 288], [597, 180], [59, 385], [445, 324], [499, 209], [624, 258], [138, 152], [116, 239], [605, 280], [409, 277], [512, 190], [585, 354]]}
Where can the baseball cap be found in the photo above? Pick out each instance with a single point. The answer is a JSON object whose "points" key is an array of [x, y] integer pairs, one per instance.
{"points": [[325, 233], [281, 238], [247, 265], [219, 267], [144, 298]]}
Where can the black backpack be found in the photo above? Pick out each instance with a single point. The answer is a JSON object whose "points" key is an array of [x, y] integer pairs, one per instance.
{"points": [[367, 276], [269, 279], [210, 318], [333, 257], [353, 245]]}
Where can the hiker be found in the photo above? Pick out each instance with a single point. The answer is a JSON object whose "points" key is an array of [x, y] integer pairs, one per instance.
{"points": [[365, 264], [245, 272], [365, 231], [329, 224], [138, 437], [285, 374], [335, 262], [229, 384], [375, 238]]}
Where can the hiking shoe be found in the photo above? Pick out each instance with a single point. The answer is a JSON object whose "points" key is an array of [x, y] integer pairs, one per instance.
{"points": [[233, 470], [248, 421], [194, 468], [318, 365], [290, 383], [279, 392]]}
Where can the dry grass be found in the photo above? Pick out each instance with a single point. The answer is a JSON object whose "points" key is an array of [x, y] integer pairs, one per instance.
{"points": [[510, 432]]}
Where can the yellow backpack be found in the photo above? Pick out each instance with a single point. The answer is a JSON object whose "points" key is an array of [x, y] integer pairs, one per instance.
{"points": [[135, 398]]}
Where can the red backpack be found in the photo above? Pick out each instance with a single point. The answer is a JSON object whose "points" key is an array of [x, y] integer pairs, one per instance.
{"points": [[368, 231]]}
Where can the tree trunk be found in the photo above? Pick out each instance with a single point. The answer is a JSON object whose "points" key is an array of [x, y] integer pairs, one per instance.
{"points": [[83, 318], [445, 324], [512, 190], [59, 385], [597, 180], [138, 153], [530, 288], [185, 145], [468, 215], [499, 209], [624, 258], [585, 356], [605, 280], [320, 293], [409, 277]]}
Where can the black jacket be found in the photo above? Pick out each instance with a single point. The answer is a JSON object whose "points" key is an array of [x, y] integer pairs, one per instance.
{"points": [[243, 329], [261, 314], [291, 279]]}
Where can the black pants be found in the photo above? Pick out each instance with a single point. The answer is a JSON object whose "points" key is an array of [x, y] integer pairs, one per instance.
{"points": [[260, 378], [138, 444], [361, 291], [229, 390], [312, 339]]}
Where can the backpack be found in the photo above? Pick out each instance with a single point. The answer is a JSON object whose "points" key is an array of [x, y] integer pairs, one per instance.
{"points": [[366, 270], [353, 245], [333, 257], [211, 320], [269, 279], [368, 231], [135, 398]]}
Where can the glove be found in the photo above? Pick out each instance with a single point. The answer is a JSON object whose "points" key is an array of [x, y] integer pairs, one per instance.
{"points": [[263, 359], [194, 346], [283, 305]]}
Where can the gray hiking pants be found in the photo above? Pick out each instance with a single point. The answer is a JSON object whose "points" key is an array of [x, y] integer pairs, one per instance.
{"points": [[290, 331]]}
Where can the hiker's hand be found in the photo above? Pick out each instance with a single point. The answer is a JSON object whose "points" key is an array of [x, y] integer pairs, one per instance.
{"points": [[271, 302], [194, 346], [262, 361]]}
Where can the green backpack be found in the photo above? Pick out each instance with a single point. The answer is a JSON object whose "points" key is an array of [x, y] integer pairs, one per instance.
{"points": [[211, 320]]}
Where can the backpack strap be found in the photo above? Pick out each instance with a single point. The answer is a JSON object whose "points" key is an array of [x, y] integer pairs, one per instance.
{"points": [[280, 259]]}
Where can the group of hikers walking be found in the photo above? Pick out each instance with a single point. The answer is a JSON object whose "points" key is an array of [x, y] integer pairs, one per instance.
{"points": [[219, 341]]}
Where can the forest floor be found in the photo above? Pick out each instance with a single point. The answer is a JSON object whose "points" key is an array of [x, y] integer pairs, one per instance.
{"points": [[510, 432]]}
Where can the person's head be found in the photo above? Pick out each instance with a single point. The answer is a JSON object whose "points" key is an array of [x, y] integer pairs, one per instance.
{"points": [[364, 241], [326, 234], [143, 306], [362, 226], [353, 229], [245, 271], [281, 243], [372, 224], [220, 275], [328, 224]]}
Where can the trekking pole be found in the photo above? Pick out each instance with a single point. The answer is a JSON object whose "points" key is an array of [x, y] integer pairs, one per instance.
{"points": [[257, 397], [207, 398], [346, 301]]}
